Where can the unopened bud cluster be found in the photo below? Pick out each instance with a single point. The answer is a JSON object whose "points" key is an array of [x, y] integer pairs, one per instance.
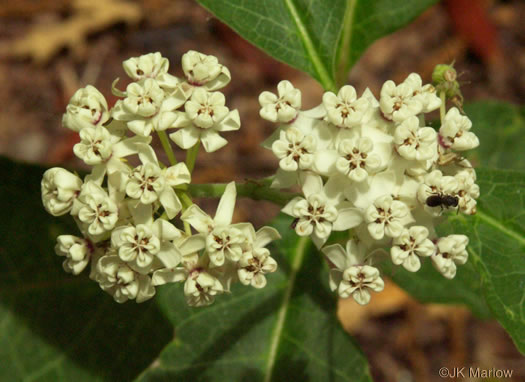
{"points": [[376, 168], [130, 217]]}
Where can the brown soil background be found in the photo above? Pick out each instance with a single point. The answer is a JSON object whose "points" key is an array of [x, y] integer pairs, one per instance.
{"points": [[50, 48]]}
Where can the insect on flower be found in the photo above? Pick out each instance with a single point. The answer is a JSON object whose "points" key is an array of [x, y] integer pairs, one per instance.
{"points": [[443, 200]]}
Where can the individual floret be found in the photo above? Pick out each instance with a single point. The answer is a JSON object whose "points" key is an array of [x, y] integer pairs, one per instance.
{"points": [[282, 107], [350, 274]]}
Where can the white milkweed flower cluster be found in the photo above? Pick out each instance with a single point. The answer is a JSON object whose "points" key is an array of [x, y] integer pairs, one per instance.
{"points": [[375, 167], [129, 217]]}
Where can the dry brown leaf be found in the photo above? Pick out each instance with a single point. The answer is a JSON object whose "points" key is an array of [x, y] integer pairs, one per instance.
{"points": [[42, 42]]}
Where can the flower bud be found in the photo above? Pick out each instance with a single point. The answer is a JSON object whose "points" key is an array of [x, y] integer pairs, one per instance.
{"points": [[59, 189], [444, 78], [146, 66], [77, 253], [87, 108], [204, 70]]}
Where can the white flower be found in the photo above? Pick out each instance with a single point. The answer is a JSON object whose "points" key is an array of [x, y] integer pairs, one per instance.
{"points": [[147, 240], [96, 209], [467, 191], [206, 109], [256, 261], [435, 184], [59, 189], [350, 275], [202, 222], [414, 142], [254, 265], [358, 281], [189, 134], [426, 94], [77, 252], [147, 108], [356, 159], [145, 183], [143, 99], [201, 288], [122, 282], [200, 285], [204, 70], [148, 183], [455, 131], [224, 243], [386, 217], [322, 209], [137, 245], [294, 150], [282, 108], [87, 108], [451, 250], [406, 248], [398, 102], [345, 110], [148, 65], [95, 146], [220, 238]]}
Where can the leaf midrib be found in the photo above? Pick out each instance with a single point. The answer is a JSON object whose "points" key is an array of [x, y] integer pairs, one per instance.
{"points": [[275, 339], [498, 226], [345, 43], [324, 76]]}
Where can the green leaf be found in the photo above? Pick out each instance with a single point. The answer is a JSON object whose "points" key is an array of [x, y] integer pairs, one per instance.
{"points": [[61, 327], [287, 331], [496, 265], [497, 246], [54, 326], [322, 38], [429, 286], [500, 127]]}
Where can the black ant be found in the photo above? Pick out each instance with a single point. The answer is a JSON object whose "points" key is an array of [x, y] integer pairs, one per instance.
{"points": [[442, 200]]}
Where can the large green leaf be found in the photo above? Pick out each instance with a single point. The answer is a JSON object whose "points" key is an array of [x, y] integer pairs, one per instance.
{"points": [[428, 285], [500, 127], [322, 38], [497, 246], [57, 327], [60, 327], [287, 331], [496, 266]]}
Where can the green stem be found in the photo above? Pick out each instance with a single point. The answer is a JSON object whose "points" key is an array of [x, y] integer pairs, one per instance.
{"points": [[257, 190], [443, 107], [185, 199], [167, 146], [186, 202], [191, 156]]}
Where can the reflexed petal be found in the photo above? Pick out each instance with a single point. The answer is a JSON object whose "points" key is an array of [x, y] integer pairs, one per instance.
{"points": [[347, 218], [265, 235], [170, 201], [169, 255], [198, 219], [226, 206], [212, 141], [186, 137], [337, 255]]}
